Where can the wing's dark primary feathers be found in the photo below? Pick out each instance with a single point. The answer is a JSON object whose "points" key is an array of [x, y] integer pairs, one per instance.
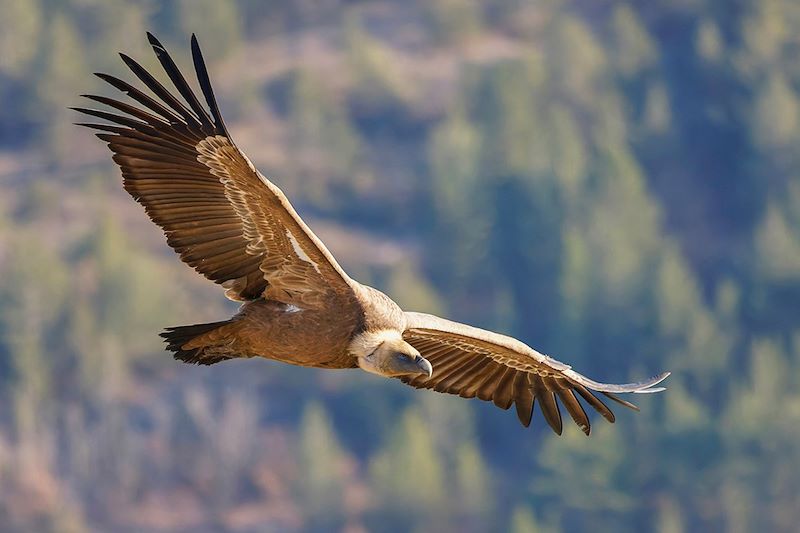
{"points": [[469, 374], [471, 362], [160, 91], [156, 146], [180, 82], [139, 96], [205, 85]]}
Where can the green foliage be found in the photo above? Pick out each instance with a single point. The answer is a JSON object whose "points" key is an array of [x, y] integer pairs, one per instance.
{"points": [[21, 23], [454, 150], [709, 41], [453, 156], [505, 109], [59, 68], [325, 146], [454, 21], [633, 49], [321, 468], [523, 521], [568, 158], [765, 30], [408, 475], [777, 247], [577, 61], [410, 290], [216, 24], [657, 112], [594, 462], [474, 482], [776, 113], [373, 64]]}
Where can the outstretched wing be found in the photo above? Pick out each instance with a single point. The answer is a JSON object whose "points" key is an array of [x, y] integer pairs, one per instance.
{"points": [[472, 362], [223, 217]]}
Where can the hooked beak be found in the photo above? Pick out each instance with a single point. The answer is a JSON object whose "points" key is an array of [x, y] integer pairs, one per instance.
{"points": [[424, 366]]}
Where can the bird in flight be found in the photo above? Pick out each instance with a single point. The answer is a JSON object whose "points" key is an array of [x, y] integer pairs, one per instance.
{"points": [[236, 228]]}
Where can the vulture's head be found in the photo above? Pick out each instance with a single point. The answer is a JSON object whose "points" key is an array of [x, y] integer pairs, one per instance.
{"points": [[390, 355]]}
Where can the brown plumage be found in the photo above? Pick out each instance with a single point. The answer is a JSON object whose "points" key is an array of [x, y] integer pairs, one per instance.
{"points": [[236, 228]]}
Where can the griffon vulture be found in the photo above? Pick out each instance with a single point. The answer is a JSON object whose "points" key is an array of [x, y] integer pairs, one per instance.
{"points": [[235, 227]]}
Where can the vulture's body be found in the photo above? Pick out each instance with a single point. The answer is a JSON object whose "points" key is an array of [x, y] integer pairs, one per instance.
{"points": [[235, 227]]}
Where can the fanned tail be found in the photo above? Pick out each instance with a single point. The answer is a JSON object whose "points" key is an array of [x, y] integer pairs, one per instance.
{"points": [[178, 337]]}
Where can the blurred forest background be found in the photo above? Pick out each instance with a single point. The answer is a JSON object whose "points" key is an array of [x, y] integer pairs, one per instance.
{"points": [[615, 183]]}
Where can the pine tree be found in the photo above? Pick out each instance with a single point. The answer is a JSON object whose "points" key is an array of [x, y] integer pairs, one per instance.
{"points": [[321, 465], [406, 476], [20, 26], [217, 25], [326, 148]]}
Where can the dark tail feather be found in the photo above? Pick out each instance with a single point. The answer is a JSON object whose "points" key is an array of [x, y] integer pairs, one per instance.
{"points": [[178, 336]]}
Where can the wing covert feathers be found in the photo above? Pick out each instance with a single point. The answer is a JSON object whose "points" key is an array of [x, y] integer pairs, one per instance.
{"points": [[472, 362]]}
